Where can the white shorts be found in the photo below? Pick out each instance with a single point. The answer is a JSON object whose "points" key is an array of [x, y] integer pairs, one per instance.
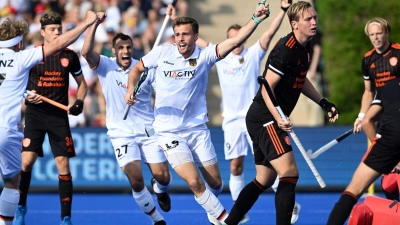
{"points": [[137, 148], [195, 141], [10, 152], [236, 139]]}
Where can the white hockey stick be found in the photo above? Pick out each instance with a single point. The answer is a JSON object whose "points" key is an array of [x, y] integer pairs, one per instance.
{"points": [[328, 145], [264, 82]]}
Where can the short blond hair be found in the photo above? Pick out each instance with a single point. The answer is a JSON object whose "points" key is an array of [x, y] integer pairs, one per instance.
{"points": [[297, 10], [378, 21], [11, 28]]}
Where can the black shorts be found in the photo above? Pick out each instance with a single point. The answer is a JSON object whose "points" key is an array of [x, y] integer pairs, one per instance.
{"points": [[269, 141], [38, 122], [382, 157]]}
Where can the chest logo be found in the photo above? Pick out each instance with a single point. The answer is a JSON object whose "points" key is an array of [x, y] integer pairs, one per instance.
{"points": [[372, 66], [393, 61], [192, 62], [64, 62], [241, 60]]}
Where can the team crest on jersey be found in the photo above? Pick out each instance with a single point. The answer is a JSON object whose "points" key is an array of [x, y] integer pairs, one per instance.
{"points": [[64, 62], [287, 140], [393, 61], [26, 142], [241, 60], [193, 62]]}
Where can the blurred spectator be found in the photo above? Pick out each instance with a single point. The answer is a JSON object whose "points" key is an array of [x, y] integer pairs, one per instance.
{"points": [[82, 5]]}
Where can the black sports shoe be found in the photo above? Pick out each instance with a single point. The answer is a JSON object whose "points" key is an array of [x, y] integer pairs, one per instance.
{"points": [[161, 222], [164, 201]]}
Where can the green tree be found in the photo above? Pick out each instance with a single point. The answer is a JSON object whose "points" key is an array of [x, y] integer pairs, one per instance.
{"points": [[344, 44]]}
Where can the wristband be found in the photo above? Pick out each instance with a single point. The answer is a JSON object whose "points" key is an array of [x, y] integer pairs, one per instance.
{"points": [[361, 116], [258, 21], [284, 9]]}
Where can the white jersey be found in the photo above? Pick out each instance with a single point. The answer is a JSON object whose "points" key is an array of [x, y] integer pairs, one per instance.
{"points": [[238, 80], [114, 81], [181, 86], [15, 66]]}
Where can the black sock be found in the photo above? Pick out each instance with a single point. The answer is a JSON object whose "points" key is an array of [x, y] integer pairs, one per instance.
{"points": [[247, 197], [342, 209], [65, 191], [24, 187], [285, 199]]}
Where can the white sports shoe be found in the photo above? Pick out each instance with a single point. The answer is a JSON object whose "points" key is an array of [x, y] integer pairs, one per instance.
{"points": [[295, 213], [214, 220], [245, 219]]}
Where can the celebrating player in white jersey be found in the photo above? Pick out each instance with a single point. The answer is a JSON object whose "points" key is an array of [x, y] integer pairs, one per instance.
{"points": [[128, 136], [237, 75], [14, 69], [180, 108]]}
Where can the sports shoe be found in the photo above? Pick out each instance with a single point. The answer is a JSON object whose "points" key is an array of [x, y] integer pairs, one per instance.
{"points": [[245, 219], [19, 217], [66, 221], [164, 201], [295, 213], [161, 222], [213, 220]]}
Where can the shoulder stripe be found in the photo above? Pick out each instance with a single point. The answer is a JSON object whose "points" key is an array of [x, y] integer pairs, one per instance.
{"points": [[275, 70], [396, 45], [369, 52], [290, 43]]}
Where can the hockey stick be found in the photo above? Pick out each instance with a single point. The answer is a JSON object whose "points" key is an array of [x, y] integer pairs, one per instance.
{"points": [[141, 80], [329, 145], [51, 102], [166, 19], [264, 82]]}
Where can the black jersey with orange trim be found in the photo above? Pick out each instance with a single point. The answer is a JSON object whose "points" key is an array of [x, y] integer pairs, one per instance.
{"points": [[388, 97], [51, 77], [291, 61], [381, 68]]}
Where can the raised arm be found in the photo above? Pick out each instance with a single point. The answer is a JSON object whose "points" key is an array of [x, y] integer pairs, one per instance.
{"points": [[70, 37], [267, 36], [88, 53], [261, 13], [133, 79]]}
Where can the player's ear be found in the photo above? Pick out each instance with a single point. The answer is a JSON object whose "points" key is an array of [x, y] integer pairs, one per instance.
{"points": [[113, 51], [196, 36], [294, 25]]}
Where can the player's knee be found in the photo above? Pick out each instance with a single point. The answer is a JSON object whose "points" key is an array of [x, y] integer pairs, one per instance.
{"points": [[162, 176], [196, 185], [236, 167]]}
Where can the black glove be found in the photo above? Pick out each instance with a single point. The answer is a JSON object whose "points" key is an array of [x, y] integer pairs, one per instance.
{"points": [[76, 108], [327, 107]]}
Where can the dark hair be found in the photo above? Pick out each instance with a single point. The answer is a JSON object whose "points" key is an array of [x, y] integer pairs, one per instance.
{"points": [[50, 18], [186, 20], [233, 27], [122, 37]]}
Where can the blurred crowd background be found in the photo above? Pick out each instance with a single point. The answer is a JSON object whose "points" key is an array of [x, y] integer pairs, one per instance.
{"points": [[141, 19]]}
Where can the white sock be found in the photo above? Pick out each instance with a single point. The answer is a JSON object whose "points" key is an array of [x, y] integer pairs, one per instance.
{"points": [[236, 184], [275, 185], [8, 204], [212, 205], [159, 188], [146, 203], [216, 192]]}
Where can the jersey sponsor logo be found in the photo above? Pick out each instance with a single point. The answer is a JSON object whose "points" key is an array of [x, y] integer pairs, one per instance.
{"points": [[180, 74], [170, 63], [299, 82], [64, 62], [372, 66], [234, 71], [193, 62], [26, 142], [52, 73], [119, 83], [382, 78], [7, 63], [393, 61]]}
